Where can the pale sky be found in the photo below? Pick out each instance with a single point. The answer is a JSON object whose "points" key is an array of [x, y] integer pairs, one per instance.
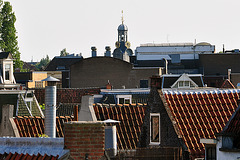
{"points": [[45, 27]]}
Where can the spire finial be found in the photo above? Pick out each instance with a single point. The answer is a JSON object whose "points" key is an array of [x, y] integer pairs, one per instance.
{"points": [[122, 17]]}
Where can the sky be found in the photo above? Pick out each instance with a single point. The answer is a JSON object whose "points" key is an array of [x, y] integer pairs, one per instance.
{"points": [[45, 27]]}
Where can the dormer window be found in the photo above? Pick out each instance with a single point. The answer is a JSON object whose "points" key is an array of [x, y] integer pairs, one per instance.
{"points": [[7, 71], [124, 99], [184, 82]]}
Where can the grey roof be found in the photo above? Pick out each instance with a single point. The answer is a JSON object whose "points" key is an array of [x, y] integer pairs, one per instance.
{"points": [[51, 79], [26, 145], [122, 27]]}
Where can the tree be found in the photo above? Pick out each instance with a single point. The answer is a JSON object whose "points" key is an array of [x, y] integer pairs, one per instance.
{"points": [[64, 53], [8, 42], [43, 63]]}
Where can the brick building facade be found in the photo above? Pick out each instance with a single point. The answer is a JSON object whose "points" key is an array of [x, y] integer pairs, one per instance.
{"points": [[96, 71]]}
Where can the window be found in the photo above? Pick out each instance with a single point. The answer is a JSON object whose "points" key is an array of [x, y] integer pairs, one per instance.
{"points": [[124, 99], [154, 128], [7, 71], [121, 100], [211, 152], [38, 84], [61, 68]]}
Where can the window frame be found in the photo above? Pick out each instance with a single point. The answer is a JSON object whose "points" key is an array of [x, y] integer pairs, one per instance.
{"points": [[125, 97], [159, 130], [7, 72]]}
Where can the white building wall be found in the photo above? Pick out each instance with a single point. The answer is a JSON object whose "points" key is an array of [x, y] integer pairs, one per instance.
{"points": [[157, 52], [222, 155]]}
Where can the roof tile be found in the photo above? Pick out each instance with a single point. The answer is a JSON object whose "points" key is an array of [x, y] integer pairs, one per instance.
{"points": [[34, 126], [131, 120], [201, 115]]}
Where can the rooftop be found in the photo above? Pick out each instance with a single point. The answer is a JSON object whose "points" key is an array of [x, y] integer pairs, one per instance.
{"points": [[200, 114]]}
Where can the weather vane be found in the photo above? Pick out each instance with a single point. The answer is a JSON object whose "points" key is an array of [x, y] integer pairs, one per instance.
{"points": [[122, 17]]}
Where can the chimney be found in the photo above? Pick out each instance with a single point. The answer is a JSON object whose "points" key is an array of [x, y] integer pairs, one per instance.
{"points": [[108, 51], [87, 112], [108, 86], [50, 104], [166, 66], [76, 113], [111, 137], [94, 51], [229, 74], [85, 140], [7, 124]]}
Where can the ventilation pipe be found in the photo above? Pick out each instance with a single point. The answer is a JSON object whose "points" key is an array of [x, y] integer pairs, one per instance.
{"points": [[166, 66], [229, 74], [108, 51], [50, 106], [94, 51]]}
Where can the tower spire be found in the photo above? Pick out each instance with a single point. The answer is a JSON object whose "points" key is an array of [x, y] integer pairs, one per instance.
{"points": [[122, 17]]}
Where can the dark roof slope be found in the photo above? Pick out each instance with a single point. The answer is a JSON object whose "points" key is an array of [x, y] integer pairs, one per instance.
{"points": [[233, 128], [4, 55], [62, 61]]}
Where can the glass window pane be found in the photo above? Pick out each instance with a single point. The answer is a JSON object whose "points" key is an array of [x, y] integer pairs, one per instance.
{"points": [[121, 100], [186, 83], [127, 101], [180, 83], [154, 128], [6, 75]]}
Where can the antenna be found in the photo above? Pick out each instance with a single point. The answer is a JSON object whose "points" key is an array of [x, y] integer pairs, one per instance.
{"points": [[122, 17]]}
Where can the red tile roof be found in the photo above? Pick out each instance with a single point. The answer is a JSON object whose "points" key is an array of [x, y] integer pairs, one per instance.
{"points": [[201, 114], [34, 126], [131, 118], [16, 156]]}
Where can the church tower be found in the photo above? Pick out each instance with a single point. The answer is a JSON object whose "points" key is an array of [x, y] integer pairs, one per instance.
{"points": [[122, 50]]}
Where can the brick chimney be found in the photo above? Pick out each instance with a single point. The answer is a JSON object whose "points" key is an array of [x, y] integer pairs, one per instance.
{"points": [[108, 86], [84, 139]]}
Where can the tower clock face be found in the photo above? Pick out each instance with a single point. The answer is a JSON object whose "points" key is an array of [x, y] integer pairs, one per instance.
{"points": [[127, 44], [117, 44]]}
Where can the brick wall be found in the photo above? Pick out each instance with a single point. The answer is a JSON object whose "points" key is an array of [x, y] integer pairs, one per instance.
{"points": [[96, 71], [168, 136], [66, 95], [85, 138]]}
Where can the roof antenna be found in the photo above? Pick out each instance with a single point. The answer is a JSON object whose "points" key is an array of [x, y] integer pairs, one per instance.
{"points": [[122, 17]]}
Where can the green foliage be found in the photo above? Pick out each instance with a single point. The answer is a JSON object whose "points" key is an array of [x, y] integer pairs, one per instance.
{"points": [[8, 41], [43, 63], [64, 53], [42, 106], [42, 135]]}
